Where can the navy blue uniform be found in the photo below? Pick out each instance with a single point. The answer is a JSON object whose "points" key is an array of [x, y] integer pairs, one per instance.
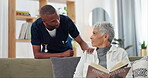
{"points": [[61, 42]]}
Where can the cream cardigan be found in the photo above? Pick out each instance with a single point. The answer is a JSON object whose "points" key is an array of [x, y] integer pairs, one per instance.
{"points": [[114, 55]]}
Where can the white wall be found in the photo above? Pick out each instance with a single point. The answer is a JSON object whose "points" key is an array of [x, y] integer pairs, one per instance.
{"points": [[3, 28], [84, 8]]}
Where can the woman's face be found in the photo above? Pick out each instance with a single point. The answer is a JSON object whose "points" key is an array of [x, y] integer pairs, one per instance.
{"points": [[97, 39]]}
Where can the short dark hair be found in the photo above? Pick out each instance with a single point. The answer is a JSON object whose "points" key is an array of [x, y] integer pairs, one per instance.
{"points": [[47, 9]]}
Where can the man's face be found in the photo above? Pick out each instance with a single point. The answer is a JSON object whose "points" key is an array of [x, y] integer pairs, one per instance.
{"points": [[51, 21]]}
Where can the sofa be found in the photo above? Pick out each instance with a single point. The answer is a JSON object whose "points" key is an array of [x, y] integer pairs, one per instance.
{"points": [[25, 68], [40, 68]]}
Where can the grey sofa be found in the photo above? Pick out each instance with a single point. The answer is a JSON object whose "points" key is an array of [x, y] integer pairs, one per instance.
{"points": [[40, 68]]}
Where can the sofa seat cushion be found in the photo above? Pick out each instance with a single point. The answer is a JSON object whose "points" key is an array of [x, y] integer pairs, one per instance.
{"points": [[25, 68]]}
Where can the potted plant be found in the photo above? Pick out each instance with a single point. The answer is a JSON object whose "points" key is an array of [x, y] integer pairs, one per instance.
{"points": [[143, 51], [120, 43]]}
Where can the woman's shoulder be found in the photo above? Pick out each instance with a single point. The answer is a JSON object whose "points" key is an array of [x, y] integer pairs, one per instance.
{"points": [[115, 48]]}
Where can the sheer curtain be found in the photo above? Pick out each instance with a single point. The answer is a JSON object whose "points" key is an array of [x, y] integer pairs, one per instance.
{"points": [[144, 22], [128, 22], [132, 24], [3, 28]]}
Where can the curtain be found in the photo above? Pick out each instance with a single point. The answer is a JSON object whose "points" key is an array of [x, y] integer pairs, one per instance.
{"points": [[3, 28], [128, 13], [143, 34]]}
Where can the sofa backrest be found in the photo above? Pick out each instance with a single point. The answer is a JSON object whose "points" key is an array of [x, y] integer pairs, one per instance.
{"points": [[134, 58], [25, 68], [64, 67], [40, 68]]}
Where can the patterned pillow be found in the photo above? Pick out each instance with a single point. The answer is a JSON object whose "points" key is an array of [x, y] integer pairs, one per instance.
{"points": [[140, 68]]}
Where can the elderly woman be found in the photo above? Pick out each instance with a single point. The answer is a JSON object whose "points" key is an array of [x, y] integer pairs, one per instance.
{"points": [[105, 54]]}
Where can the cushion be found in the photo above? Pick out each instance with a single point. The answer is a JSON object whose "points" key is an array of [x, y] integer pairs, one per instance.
{"points": [[25, 68], [140, 68], [64, 67]]}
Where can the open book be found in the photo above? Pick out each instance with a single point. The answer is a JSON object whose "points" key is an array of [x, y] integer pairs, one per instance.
{"points": [[120, 70]]}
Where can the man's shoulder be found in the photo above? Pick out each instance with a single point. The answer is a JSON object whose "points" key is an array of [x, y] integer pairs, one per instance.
{"points": [[65, 20], [63, 17], [38, 21]]}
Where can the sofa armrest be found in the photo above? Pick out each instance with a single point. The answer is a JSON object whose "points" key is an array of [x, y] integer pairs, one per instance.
{"points": [[134, 58]]}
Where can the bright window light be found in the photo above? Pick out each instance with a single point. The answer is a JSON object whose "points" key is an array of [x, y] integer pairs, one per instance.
{"points": [[144, 20]]}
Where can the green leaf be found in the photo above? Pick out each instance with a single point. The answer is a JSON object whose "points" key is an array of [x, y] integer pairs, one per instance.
{"points": [[143, 45]]}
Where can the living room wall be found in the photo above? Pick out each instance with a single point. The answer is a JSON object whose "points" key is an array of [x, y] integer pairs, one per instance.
{"points": [[3, 28], [83, 8]]}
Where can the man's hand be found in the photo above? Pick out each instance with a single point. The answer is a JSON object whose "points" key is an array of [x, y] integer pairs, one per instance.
{"points": [[68, 53], [90, 50]]}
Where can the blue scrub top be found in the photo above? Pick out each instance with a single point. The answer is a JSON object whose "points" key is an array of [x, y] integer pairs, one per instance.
{"points": [[61, 42]]}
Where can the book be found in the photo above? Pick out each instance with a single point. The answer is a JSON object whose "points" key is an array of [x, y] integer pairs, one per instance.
{"points": [[25, 32], [120, 70], [28, 31], [23, 13]]}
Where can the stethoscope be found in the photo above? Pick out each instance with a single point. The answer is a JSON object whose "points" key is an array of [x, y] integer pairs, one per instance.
{"points": [[46, 50], [46, 45]]}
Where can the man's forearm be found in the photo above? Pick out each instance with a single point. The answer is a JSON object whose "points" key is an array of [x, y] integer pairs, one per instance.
{"points": [[42, 55], [84, 46]]}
